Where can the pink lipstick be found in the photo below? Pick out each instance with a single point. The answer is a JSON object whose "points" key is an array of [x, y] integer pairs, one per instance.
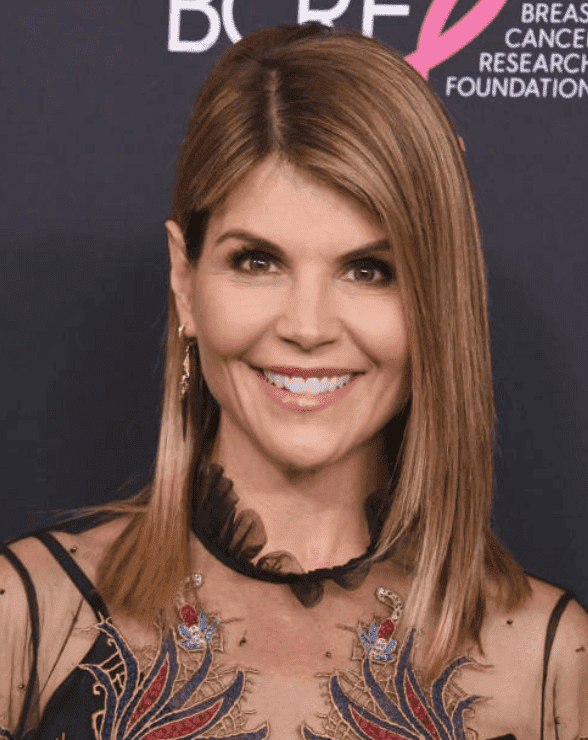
{"points": [[306, 401]]}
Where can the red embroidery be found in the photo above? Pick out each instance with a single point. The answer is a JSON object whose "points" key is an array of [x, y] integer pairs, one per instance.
{"points": [[152, 693], [189, 615], [184, 727], [372, 730], [386, 629], [419, 710]]}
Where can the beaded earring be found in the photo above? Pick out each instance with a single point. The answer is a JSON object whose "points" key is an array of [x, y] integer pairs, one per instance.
{"points": [[186, 375]]}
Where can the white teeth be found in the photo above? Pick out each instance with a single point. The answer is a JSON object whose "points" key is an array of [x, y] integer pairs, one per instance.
{"points": [[310, 385], [277, 380]]}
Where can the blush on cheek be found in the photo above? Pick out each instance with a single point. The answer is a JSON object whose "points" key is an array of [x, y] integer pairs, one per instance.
{"points": [[230, 321]]}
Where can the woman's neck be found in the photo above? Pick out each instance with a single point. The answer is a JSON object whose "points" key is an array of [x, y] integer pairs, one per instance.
{"points": [[319, 516]]}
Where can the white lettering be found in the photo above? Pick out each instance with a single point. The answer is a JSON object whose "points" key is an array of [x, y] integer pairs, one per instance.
{"points": [[229, 21], [541, 64], [527, 13], [502, 89], [471, 87], [524, 63], [556, 12], [507, 38], [567, 68], [570, 14], [558, 35], [530, 39], [486, 92], [517, 87], [371, 10], [580, 38], [450, 85], [532, 88], [174, 43], [542, 10], [499, 61], [485, 62], [556, 62], [326, 17], [548, 37], [574, 85]]}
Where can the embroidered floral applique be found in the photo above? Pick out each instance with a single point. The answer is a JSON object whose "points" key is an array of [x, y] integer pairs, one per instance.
{"points": [[379, 643], [387, 702], [160, 706], [195, 628]]}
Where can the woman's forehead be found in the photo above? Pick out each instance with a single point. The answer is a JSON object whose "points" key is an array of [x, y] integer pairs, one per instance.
{"points": [[274, 185]]}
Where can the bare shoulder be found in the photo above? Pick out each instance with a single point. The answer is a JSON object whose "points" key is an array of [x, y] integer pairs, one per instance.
{"points": [[538, 609], [515, 637], [534, 611], [89, 547]]}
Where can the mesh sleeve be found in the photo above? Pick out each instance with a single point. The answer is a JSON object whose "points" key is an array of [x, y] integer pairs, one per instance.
{"points": [[570, 676], [19, 625]]}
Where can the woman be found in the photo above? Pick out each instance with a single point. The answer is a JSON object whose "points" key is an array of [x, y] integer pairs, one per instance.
{"points": [[313, 557]]}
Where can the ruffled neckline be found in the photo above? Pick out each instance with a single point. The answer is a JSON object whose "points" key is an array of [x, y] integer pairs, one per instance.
{"points": [[236, 537]]}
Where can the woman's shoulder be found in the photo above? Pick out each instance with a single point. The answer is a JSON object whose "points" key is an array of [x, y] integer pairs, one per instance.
{"points": [[561, 624], [550, 606], [547, 607], [34, 582], [30, 556], [90, 545], [547, 634]]}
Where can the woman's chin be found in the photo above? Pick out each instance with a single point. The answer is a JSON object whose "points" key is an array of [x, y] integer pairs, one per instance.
{"points": [[303, 460]]}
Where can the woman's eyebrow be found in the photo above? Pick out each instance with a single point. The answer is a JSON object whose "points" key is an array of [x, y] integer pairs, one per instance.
{"points": [[380, 245]]}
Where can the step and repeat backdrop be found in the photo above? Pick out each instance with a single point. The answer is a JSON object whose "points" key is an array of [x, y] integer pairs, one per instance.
{"points": [[96, 97]]}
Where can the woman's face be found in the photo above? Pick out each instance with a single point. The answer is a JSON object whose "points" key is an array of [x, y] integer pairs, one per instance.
{"points": [[304, 306]]}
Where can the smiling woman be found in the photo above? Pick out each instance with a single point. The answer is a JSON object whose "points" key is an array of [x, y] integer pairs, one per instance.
{"points": [[314, 546], [309, 312]]}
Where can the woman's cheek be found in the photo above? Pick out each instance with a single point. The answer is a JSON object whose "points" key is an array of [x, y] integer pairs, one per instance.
{"points": [[381, 331], [232, 317]]}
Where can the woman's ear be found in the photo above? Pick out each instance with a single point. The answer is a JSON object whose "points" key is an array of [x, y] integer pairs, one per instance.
{"points": [[181, 277]]}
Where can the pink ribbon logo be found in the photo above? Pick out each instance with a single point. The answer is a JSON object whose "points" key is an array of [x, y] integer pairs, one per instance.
{"points": [[434, 47]]}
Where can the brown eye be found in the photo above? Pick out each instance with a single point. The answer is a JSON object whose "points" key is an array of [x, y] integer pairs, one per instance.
{"points": [[259, 262], [367, 272]]}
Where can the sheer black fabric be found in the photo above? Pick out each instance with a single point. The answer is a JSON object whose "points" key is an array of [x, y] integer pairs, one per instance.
{"points": [[236, 537]]}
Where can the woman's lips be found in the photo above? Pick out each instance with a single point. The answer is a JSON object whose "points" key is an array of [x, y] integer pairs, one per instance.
{"points": [[313, 372], [304, 401]]}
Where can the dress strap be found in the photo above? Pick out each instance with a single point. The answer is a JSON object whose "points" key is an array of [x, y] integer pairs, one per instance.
{"points": [[558, 610], [77, 575], [34, 614]]}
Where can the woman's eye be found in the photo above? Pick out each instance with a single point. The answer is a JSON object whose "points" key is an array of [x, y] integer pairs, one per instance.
{"points": [[365, 271], [258, 261], [254, 261]]}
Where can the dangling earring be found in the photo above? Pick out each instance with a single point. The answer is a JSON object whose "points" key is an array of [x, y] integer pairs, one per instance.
{"points": [[185, 379]]}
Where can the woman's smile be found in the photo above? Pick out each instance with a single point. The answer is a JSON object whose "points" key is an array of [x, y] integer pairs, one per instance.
{"points": [[295, 307], [295, 393]]}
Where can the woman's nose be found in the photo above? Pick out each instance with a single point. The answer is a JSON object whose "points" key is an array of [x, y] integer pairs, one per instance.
{"points": [[308, 317]]}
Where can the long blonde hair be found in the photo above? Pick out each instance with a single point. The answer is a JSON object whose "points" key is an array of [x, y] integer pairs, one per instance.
{"points": [[353, 113]]}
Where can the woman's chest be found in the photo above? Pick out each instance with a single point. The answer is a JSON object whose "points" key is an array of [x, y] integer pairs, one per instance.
{"points": [[260, 667], [254, 663]]}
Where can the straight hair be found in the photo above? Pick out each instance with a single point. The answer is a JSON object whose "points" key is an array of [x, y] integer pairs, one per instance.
{"points": [[354, 114]]}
